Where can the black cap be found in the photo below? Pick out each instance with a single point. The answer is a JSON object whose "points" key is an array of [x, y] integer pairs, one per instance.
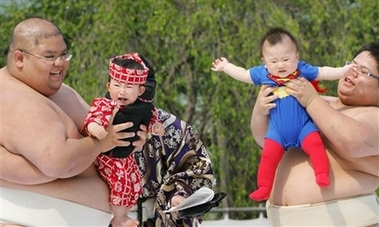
{"points": [[150, 83]]}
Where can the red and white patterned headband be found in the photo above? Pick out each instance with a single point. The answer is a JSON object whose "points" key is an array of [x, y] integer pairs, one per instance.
{"points": [[125, 75]]}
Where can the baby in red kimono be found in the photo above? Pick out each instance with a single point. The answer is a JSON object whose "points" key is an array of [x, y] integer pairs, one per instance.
{"points": [[127, 76]]}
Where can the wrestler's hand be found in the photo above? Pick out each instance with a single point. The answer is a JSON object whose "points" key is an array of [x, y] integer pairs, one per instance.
{"points": [[219, 64], [259, 118], [264, 102], [142, 134], [115, 137], [302, 90]]}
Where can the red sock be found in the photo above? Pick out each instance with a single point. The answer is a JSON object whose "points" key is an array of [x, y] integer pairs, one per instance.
{"points": [[314, 147], [272, 153]]}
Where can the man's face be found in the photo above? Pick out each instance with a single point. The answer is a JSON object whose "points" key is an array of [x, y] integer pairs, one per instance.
{"points": [[41, 70], [361, 90]]}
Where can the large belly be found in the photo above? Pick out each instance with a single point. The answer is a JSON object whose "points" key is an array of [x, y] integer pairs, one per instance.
{"points": [[295, 182]]}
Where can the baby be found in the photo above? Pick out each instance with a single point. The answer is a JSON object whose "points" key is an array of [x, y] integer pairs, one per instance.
{"points": [[289, 125], [127, 76]]}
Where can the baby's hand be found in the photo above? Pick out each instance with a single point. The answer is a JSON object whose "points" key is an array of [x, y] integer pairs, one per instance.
{"points": [[219, 64], [97, 131], [349, 69]]}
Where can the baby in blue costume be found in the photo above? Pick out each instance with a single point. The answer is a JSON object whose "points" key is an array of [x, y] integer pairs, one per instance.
{"points": [[290, 124]]}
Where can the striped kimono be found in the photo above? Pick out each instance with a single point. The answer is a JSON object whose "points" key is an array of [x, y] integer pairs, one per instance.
{"points": [[174, 163]]}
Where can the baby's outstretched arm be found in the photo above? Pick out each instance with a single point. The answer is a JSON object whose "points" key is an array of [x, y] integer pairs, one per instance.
{"points": [[238, 73], [330, 73], [96, 130]]}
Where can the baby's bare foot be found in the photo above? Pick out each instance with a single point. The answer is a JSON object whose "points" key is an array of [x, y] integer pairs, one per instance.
{"points": [[128, 222]]}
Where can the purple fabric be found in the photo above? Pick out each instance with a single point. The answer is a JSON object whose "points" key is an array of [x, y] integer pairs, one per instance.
{"points": [[175, 163]]}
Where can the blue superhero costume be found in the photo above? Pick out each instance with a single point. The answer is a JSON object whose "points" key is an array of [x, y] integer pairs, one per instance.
{"points": [[289, 122]]}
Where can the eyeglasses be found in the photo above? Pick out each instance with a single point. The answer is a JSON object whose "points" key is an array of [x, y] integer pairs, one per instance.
{"points": [[362, 70], [64, 57]]}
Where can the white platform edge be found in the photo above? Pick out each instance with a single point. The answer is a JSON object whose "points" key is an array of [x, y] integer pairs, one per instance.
{"points": [[31, 209]]}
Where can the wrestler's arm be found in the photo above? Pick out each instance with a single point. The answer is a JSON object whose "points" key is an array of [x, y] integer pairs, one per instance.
{"points": [[259, 117], [51, 141], [76, 108], [21, 171], [35, 170], [359, 133], [72, 104]]}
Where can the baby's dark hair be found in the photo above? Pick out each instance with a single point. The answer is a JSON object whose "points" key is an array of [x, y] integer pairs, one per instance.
{"points": [[275, 36], [128, 63]]}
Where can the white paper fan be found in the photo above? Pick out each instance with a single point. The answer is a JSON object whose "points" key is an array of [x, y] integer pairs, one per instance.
{"points": [[201, 196]]}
